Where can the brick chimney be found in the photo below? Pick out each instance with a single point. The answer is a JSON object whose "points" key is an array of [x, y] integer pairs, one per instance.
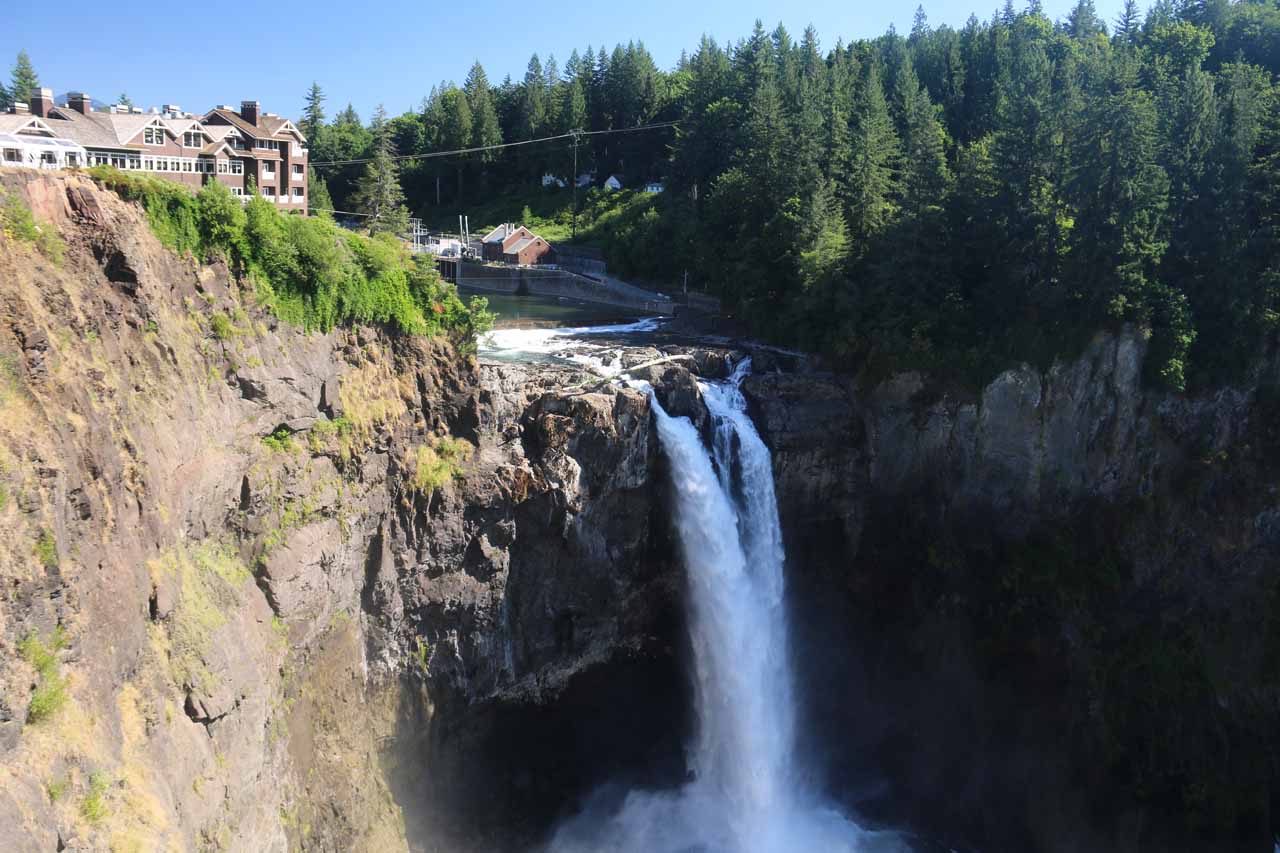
{"points": [[41, 102], [80, 102], [249, 112]]}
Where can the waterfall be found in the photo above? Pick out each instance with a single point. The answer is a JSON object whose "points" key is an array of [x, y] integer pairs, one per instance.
{"points": [[746, 795]]}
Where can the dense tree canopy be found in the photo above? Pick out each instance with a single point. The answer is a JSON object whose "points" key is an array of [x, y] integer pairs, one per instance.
{"points": [[956, 197]]}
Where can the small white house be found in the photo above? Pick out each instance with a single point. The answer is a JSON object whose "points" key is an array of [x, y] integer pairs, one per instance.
{"points": [[586, 179], [613, 182], [26, 141], [654, 187], [550, 180]]}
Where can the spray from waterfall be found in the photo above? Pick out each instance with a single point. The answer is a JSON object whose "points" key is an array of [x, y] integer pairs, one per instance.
{"points": [[746, 794]]}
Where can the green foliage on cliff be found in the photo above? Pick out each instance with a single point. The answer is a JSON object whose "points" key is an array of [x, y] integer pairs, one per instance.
{"points": [[435, 464], [46, 550], [206, 580], [94, 808], [307, 270], [18, 223], [50, 693]]}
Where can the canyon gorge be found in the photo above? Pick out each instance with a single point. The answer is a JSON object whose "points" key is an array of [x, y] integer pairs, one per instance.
{"points": [[362, 590]]}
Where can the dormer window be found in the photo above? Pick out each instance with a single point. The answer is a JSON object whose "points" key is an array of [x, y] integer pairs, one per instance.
{"points": [[153, 135], [192, 139]]}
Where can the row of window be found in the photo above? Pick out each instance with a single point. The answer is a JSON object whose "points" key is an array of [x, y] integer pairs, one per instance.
{"points": [[194, 139], [270, 192], [45, 159], [133, 162]]}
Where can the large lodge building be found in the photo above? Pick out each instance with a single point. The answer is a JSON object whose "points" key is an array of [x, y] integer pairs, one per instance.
{"points": [[224, 145]]}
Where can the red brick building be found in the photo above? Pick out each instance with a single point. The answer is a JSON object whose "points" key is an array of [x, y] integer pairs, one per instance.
{"points": [[223, 145], [515, 244]]}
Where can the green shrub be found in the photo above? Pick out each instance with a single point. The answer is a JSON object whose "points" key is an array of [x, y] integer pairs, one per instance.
{"points": [[47, 550], [306, 270], [222, 327], [280, 441], [221, 218], [50, 693], [423, 655], [18, 223], [437, 463], [93, 808], [55, 788]]}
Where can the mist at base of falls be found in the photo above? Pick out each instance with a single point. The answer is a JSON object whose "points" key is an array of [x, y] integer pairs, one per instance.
{"points": [[746, 794]]}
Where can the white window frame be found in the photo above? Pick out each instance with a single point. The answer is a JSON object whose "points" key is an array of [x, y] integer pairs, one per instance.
{"points": [[153, 135]]}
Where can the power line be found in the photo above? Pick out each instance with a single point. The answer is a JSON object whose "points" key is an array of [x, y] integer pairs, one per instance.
{"points": [[571, 134]]}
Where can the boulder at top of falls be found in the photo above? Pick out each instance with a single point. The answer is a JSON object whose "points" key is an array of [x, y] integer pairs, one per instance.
{"points": [[676, 389]]}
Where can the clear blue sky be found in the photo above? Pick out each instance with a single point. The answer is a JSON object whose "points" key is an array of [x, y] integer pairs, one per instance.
{"points": [[393, 53]]}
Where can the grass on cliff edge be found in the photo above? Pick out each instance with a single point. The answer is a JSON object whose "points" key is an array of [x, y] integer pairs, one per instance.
{"points": [[18, 223], [307, 270]]}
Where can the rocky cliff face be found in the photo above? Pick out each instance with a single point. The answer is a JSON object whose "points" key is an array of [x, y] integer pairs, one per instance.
{"points": [[253, 572], [1061, 591]]}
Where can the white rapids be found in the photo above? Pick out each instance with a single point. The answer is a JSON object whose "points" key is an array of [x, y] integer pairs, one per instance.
{"points": [[746, 794], [570, 344]]}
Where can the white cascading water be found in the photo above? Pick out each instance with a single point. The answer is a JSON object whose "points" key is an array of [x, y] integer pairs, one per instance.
{"points": [[746, 794]]}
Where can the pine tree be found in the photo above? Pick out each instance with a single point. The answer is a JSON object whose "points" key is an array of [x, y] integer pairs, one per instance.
{"points": [[808, 126], [926, 178], [869, 194], [313, 113], [551, 96], [825, 241], [1083, 22], [573, 107], [766, 134], [1264, 244], [124, 100], [485, 129], [23, 82], [319, 201], [839, 112], [532, 101], [1024, 154], [1128, 23], [378, 193], [347, 116], [1120, 194]]}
